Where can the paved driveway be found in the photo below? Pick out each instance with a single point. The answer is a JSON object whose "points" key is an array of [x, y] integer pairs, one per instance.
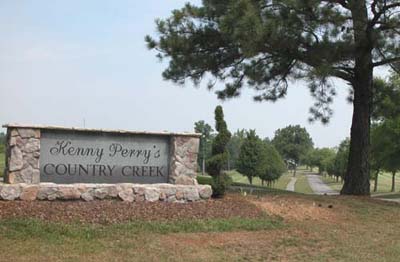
{"points": [[318, 186], [290, 185]]}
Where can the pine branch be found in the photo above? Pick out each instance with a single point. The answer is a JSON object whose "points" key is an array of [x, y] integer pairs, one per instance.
{"points": [[386, 61], [378, 14]]}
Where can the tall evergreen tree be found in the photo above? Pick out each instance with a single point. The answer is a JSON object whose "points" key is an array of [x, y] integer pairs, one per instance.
{"points": [[265, 43], [275, 166], [252, 160], [219, 153]]}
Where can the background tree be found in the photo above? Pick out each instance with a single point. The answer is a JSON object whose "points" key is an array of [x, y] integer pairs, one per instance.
{"points": [[292, 142], [264, 44], [252, 159], [205, 142], [323, 156], [377, 153], [219, 154], [341, 159], [384, 136], [386, 147], [310, 159], [234, 145], [275, 166]]}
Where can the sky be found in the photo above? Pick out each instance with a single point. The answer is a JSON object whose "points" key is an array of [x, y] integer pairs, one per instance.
{"points": [[85, 63]]}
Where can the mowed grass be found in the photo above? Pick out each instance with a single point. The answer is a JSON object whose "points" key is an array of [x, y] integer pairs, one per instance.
{"points": [[35, 240], [281, 183], [384, 183], [300, 228], [302, 185]]}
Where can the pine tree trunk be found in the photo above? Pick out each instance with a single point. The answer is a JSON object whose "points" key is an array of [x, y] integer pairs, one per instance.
{"points": [[356, 180], [250, 180], [393, 181]]}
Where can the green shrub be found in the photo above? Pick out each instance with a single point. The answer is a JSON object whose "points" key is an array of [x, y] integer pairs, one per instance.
{"points": [[220, 184], [204, 180], [219, 155]]}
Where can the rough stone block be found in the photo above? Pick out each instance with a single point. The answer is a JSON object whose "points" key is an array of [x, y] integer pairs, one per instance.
{"points": [[87, 196], [10, 192], [16, 159], [29, 192], [33, 145], [205, 191], [51, 192], [127, 195], [152, 194], [185, 180], [191, 194], [68, 192]]}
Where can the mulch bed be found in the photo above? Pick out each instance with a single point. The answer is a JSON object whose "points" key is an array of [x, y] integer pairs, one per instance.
{"points": [[114, 211]]}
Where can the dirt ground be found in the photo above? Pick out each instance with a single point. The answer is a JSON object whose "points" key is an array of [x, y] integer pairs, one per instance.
{"points": [[114, 211]]}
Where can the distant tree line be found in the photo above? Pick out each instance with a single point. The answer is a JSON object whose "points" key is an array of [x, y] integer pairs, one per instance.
{"points": [[246, 152], [292, 146]]}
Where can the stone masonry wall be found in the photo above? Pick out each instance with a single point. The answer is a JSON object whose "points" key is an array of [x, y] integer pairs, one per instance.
{"points": [[126, 192], [183, 162], [23, 152]]}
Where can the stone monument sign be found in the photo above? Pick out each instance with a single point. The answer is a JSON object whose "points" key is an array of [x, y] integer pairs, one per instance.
{"points": [[103, 158], [76, 163]]}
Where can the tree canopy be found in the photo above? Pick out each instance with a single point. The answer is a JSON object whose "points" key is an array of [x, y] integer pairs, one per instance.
{"points": [[275, 166], [292, 142], [252, 161], [264, 44]]}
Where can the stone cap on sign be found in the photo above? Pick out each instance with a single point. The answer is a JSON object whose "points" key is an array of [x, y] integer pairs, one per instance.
{"points": [[114, 131]]}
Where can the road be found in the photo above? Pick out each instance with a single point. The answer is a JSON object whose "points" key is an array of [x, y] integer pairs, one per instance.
{"points": [[318, 186], [290, 185]]}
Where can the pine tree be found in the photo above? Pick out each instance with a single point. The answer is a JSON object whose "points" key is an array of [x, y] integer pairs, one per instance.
{"points": [[264, 44]]}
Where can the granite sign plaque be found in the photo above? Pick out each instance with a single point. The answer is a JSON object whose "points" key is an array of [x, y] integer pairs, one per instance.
{"points": [[80, 157]]}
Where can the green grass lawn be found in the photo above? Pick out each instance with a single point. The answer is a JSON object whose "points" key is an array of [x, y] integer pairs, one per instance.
{"points": [[301, 185], [331, 181], [299, 228], [35, 240], [384, 183], [281, 183]]}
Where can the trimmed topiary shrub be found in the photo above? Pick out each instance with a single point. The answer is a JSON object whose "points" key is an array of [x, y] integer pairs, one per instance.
{"points": [[219, 154]]}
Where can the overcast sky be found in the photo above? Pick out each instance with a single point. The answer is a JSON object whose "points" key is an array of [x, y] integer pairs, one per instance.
{"points": [[66, 62]]}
